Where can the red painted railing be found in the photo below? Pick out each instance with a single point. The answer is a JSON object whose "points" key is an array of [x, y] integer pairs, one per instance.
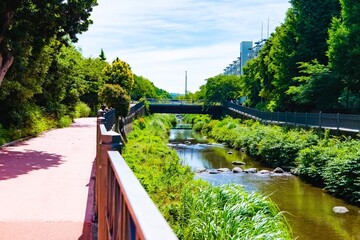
{"points": [[124, 210]]}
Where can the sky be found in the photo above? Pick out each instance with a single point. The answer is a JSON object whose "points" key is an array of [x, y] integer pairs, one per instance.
{"points": [[163, 39]]}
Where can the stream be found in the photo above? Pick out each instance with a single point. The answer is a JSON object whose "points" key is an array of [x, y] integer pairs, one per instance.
{"points": [[307, 208]]}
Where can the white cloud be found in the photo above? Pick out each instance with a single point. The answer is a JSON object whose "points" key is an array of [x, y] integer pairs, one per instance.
{"points": [[163, 39]]}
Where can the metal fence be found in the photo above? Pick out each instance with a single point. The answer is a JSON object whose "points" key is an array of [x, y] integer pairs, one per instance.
{"points": [[123, 208], [135, 111], [343, 122]]}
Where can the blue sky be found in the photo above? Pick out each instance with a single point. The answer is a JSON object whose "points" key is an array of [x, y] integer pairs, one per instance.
{"points": [[161, 39]]}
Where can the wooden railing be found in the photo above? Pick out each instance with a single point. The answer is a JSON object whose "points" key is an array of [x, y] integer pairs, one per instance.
{"points": [[124, 210]]}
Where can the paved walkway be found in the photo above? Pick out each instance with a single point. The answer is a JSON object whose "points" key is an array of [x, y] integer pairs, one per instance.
{"points": [[44, 185]]}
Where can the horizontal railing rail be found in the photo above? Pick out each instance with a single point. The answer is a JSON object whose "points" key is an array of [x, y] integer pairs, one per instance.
{"points": [[123, 208], [174, 101], [343, 122]]}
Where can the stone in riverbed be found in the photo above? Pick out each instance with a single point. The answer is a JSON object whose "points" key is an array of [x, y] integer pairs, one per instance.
{"points": [[214, 172], [264, 172], [237, 170], [340, 210], [238, 163], [278, 170], [223, 170], [251, 170], [200, 170]]}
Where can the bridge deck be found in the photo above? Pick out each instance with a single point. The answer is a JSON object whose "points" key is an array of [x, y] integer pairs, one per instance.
{"points": [[44, 185]]}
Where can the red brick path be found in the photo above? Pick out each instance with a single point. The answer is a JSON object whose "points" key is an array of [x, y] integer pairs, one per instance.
{"points": [[44, 185]]}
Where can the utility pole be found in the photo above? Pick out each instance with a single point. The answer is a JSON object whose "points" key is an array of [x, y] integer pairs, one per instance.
{"points": [[185, 83]]}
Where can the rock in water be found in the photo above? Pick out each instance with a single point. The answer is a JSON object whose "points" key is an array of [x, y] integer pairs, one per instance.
{"points": [[278, 170], [264, 172], [340, 210], [200, 170], [251, 170], [238, 163], [223, 170], [237, 170]]}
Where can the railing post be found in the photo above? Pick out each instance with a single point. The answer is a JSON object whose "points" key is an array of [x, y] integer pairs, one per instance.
{"points": [[100, 120], [109, 141], [286, 118], [320, 119], [337, 122], [306, 119], [295, 119]]}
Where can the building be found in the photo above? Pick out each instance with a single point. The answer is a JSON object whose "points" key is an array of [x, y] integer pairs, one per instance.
{"points": [[256, 49], [236, 67], [245, 50]]}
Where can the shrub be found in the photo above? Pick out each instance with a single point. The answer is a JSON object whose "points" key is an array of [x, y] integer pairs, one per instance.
{"points": [[82, 110], [342, 174], [116, 97], [64, 121]]}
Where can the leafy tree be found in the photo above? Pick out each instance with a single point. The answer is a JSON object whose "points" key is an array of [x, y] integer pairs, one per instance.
{"points": [[301, 38], [91, 72], [250, 83], [222, 88], [102, 55], [318, 89], [200, 95], [119, 72], [344, 49], [313, 19], [116, 97], [143, 88], [162, 94], [27, 26]]}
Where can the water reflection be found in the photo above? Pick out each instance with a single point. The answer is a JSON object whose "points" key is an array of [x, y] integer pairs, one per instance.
{"points": [[308, 209]]}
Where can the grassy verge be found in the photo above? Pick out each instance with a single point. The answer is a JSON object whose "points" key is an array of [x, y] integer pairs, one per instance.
{"points": [[39, 121], [194, 208], [330, 162]]}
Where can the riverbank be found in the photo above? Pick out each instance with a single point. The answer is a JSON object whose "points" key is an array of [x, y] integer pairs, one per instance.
{"points": [[195, 209], [329, 162]]}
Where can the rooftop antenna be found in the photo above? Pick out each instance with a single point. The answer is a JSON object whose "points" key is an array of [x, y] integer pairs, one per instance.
{"points": [[262, 28], [268, 29]]}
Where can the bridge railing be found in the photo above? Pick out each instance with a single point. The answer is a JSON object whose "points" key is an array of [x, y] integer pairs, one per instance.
{"points": [[123, 208], [344, 122], [135, 111], [174, 101]]}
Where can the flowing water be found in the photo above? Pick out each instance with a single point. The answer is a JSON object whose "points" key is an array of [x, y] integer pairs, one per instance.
{"points": [[308, 209]]}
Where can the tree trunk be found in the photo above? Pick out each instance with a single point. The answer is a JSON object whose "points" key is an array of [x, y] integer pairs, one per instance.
{"points": [[6, 58], [5, 64]]}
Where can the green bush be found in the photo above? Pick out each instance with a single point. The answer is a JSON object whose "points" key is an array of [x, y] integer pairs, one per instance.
{"points": [[64, 121], [342, 174], [82, 110], [116, 97]]}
